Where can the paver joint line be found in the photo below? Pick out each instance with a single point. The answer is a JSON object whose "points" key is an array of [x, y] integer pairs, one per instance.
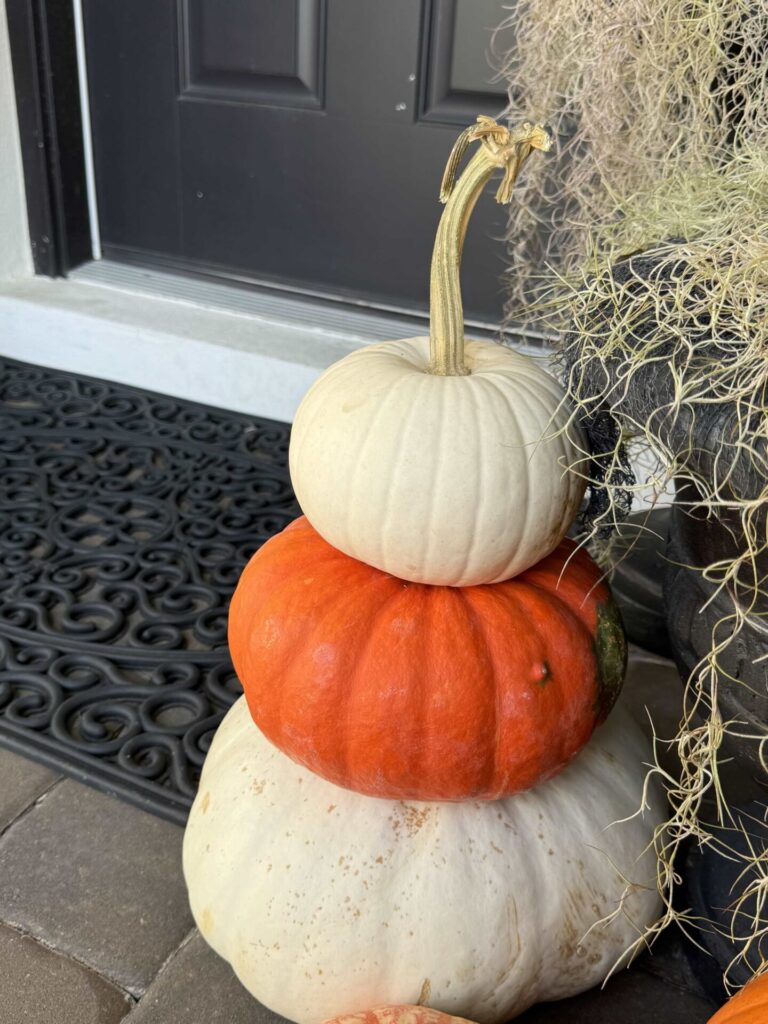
{"points": [[24, 934], [30, 807], [98, 881]]}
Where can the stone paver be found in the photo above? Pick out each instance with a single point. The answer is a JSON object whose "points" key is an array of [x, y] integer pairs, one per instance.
{"points": [[198, 987], [98, 880], [631, 997], [37, 986], [21, 783]]}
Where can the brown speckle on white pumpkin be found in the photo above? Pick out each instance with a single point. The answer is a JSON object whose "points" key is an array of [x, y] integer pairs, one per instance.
{"points": [[426, 991], [206, 802], [505, 979]]}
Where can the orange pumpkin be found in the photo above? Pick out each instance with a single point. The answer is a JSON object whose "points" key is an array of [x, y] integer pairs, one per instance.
{"points": [[412, 691], [398, 1015], [750, 1006]]}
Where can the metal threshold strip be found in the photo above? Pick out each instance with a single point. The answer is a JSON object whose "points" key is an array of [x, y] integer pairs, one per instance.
{"points": [[309, 311]]}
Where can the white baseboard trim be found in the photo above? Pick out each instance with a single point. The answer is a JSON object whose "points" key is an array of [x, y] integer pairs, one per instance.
{"points": [[207, 343]]}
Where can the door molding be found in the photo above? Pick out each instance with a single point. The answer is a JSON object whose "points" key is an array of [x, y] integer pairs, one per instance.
{"points": [[299, 85], [439, 101]]}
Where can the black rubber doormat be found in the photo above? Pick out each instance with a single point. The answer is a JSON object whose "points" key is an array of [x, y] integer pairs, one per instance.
{"points": [[125, 520]]}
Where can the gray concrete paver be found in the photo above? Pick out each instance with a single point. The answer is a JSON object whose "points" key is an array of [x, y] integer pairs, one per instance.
{"points": [[21, 782], [38, 986], [198, 987], [98, 880]]}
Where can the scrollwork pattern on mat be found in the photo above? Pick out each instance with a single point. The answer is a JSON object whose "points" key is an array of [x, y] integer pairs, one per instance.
{"points": [[125, 520]]}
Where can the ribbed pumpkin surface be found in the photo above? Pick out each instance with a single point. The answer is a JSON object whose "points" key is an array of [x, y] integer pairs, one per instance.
{"points": [[410, 691], [450, 480], [750, 1006], [324, 901]]}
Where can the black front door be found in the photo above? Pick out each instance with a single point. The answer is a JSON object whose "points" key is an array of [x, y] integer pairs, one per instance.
{"points": [[294, 142]]}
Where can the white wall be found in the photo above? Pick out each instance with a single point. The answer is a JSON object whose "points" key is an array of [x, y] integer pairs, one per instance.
{"points": [[15, 254]]}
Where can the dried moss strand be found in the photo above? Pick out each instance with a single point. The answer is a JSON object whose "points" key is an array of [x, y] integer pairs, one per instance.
{"points": [[692, 330], [660, 92], [662, 121]]}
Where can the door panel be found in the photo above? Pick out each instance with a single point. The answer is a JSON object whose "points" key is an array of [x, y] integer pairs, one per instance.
{"points": [[270, 52], [299, 142], [458, 83]]}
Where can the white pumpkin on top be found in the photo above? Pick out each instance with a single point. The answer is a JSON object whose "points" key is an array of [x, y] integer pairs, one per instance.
{"points": [[436, 460]]}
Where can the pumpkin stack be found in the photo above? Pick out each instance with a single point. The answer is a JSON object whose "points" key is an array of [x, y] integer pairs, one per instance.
{"points": [[424, 655]]}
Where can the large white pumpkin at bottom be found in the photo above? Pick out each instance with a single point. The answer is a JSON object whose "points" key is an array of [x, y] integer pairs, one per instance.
{"points": [[326, 902]]}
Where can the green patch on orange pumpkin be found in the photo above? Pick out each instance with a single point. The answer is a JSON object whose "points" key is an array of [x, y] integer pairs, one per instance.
{"points": [[611, 654]]}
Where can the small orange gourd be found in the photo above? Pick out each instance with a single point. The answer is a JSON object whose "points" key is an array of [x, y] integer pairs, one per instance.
{"points": [[749, 1006], [398, 1015]]}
